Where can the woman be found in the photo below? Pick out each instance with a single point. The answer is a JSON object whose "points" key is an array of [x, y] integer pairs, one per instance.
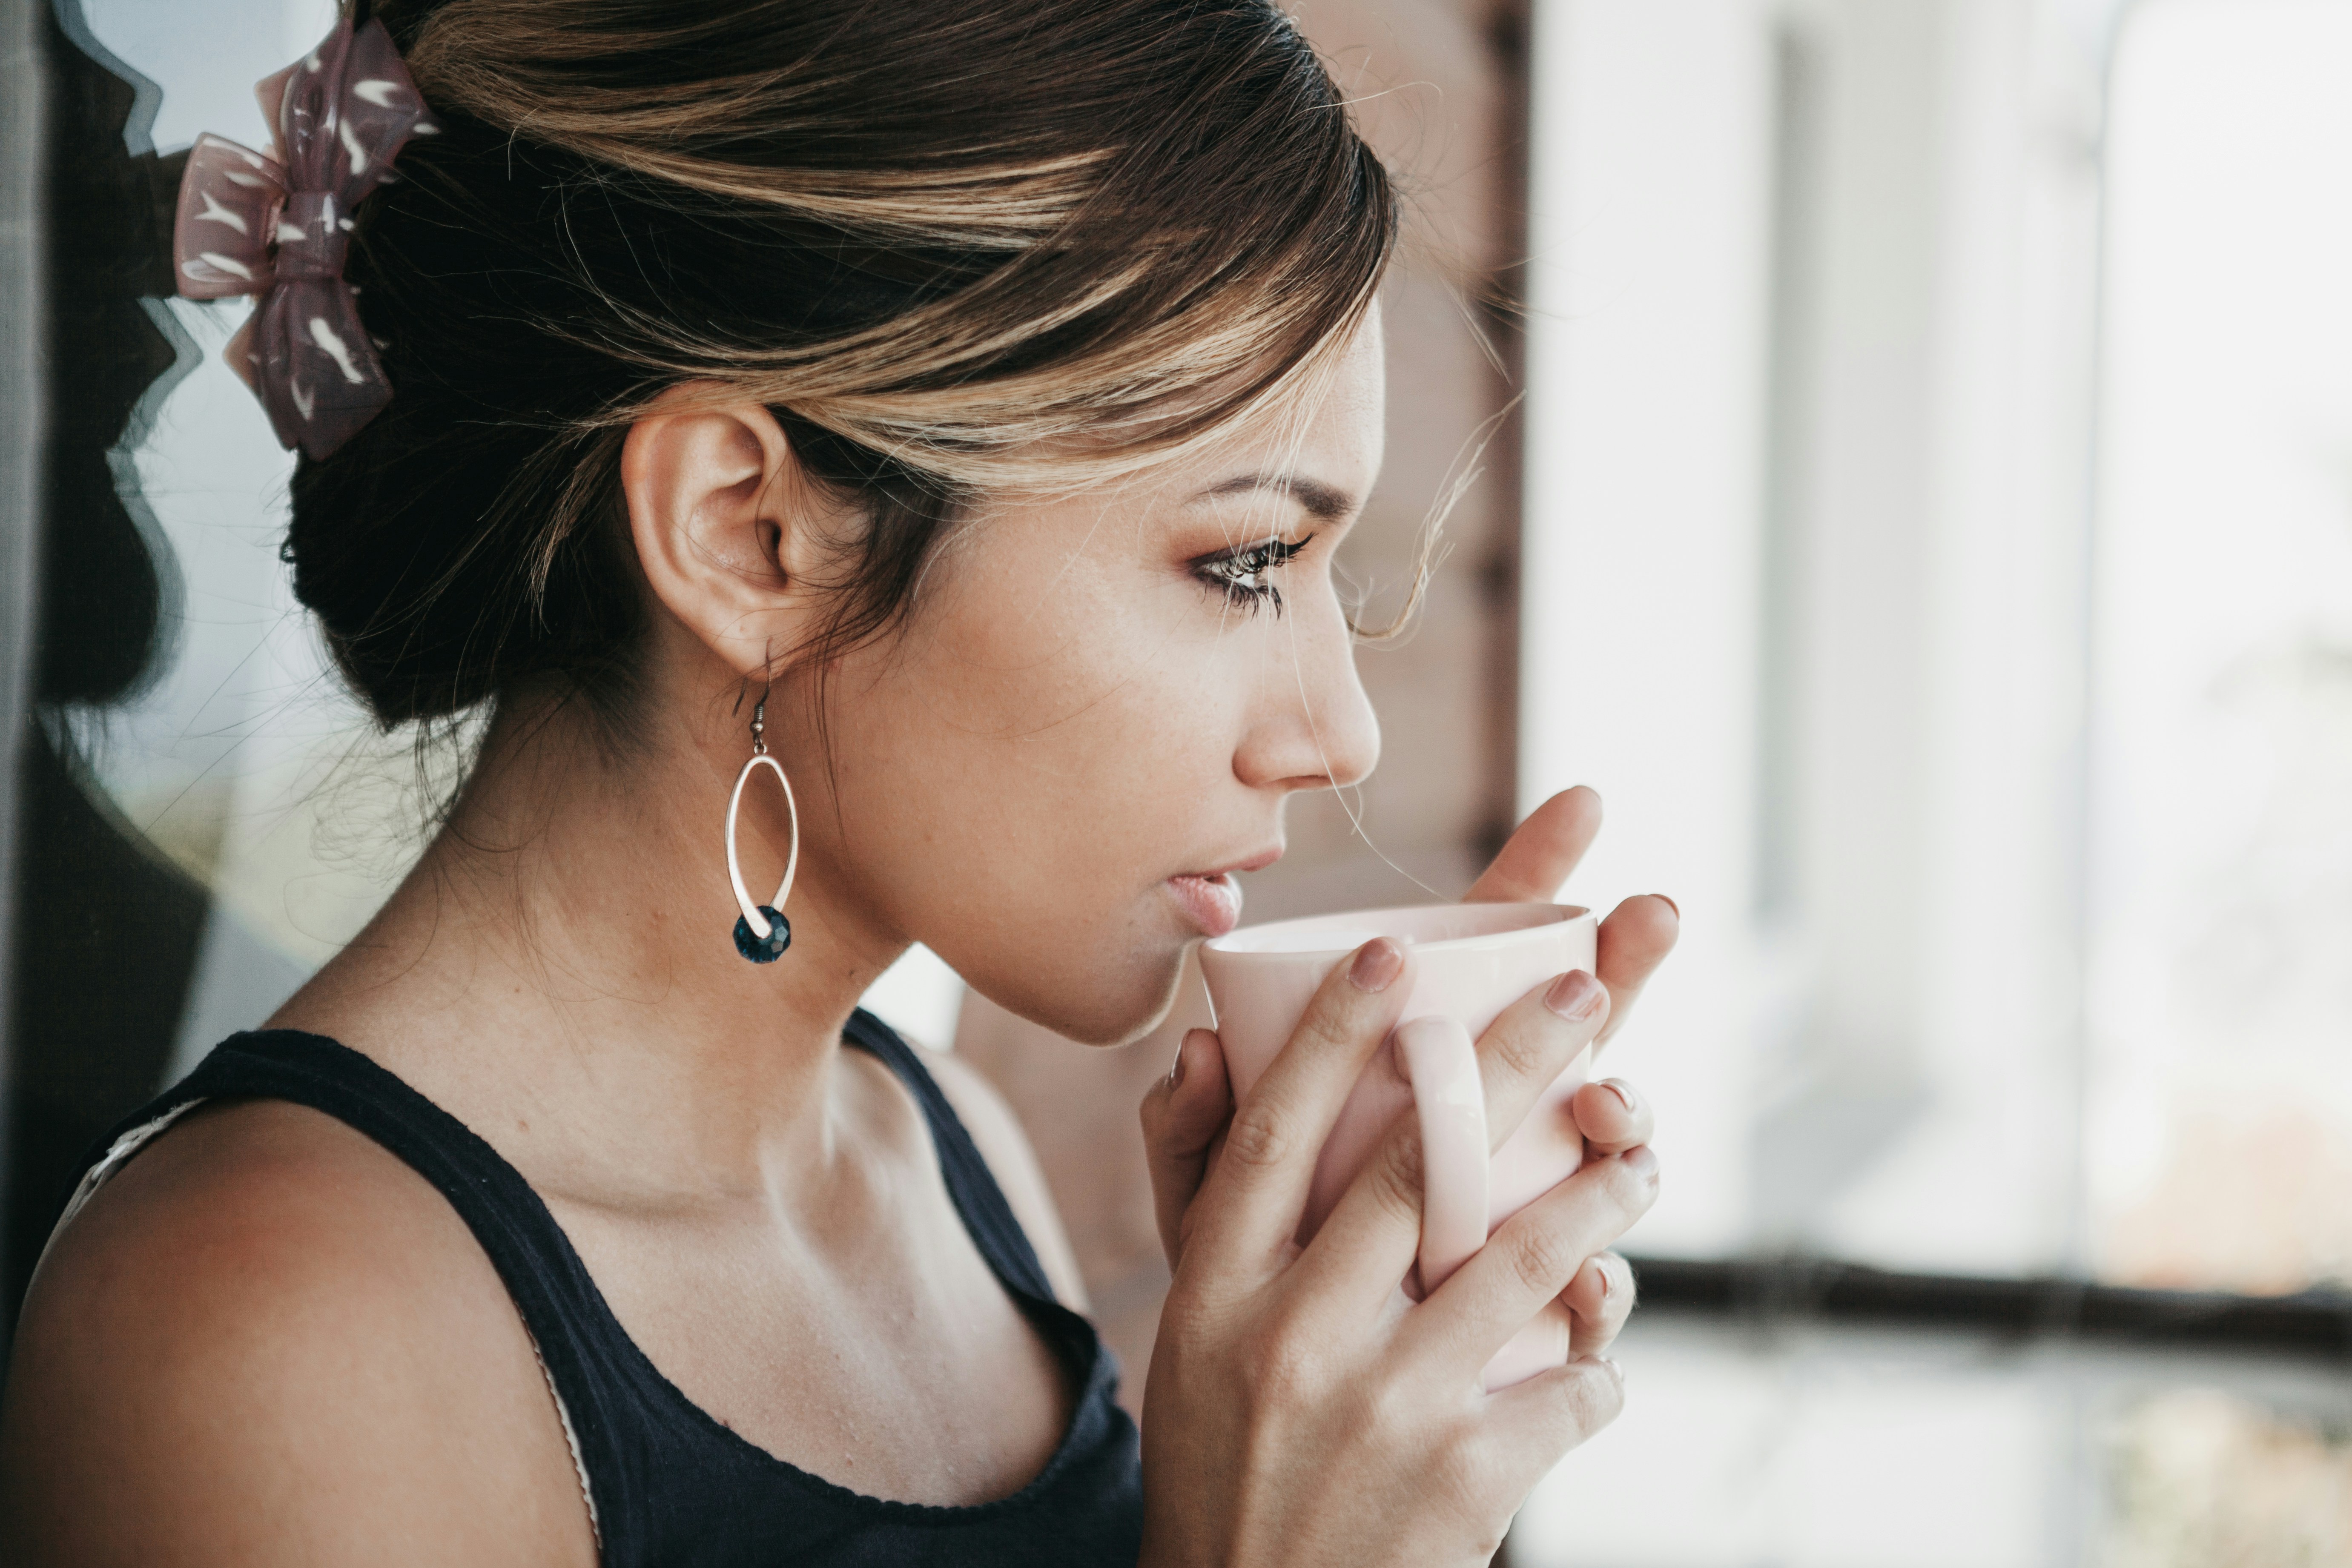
{"points": [[958, 405]]}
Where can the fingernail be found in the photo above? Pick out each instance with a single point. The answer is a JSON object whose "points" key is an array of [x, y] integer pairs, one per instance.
{"points": [[1176, 1070], [1376, 966], [1670, 904], [1639, 1160], [1614, 1370], [1610, 1084], [1573, 995]]}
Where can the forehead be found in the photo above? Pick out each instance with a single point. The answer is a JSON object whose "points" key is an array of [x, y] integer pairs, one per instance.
{"points": [[1327, 432], [1357, 388], [1329, 429]]}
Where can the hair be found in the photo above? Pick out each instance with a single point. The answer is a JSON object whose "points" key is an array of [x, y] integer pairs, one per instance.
{"points": [[954, 246]]}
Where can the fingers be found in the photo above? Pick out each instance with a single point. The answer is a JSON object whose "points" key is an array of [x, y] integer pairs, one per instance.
{"points": [[1544, 850], [1532, 1423], [1599, 1300], [1255, 1193], [1634, 939], [1612, 1117], [1525, 1051], [1374, 1232], [1535, 1256], [1181, 1117]]}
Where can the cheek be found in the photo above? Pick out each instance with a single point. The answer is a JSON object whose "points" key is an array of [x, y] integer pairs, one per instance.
{"points": [[1025, 779], [1094, 726]]}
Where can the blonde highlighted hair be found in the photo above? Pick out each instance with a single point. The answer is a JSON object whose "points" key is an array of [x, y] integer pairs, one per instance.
{"points": [[954, 245]]}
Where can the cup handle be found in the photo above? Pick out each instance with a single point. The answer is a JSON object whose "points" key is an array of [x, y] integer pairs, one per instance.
{"points": [[1450, 1100]]}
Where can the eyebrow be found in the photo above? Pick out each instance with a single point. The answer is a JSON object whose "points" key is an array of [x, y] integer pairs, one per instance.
{"points": [[1320, 499]]}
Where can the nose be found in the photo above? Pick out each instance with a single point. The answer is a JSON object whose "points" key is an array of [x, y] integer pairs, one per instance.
{"points": [[1313, 727]]}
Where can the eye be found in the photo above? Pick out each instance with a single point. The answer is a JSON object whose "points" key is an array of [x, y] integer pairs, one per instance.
{"points": [[1241, 574]]}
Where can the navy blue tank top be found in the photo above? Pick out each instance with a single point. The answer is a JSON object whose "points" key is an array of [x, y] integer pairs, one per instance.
{"points": [[665, 1482]]}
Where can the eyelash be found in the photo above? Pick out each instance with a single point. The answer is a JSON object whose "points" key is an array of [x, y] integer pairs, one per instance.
{"points": [[1233, 573]]}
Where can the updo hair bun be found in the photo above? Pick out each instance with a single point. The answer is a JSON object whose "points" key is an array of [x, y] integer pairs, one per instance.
{"points": [[952, 244]]}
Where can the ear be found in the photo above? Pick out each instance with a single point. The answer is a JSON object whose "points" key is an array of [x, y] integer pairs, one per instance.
{"points": [[725, 525]]}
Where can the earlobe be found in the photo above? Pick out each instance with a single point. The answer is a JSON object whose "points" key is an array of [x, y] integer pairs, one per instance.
{"points": [[716, 506]]}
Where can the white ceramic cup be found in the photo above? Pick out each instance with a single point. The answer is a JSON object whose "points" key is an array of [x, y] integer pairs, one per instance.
{"points": [[1470, 961]]}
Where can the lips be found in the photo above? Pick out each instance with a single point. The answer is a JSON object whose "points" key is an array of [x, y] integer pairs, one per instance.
{"points": [[1213, 901]]}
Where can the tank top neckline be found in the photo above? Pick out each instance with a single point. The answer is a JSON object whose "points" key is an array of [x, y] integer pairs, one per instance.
{"points": [[1026, 1300], [241, 1067]]}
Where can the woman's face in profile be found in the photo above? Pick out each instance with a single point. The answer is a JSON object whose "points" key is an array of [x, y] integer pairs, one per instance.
{"points": [[1101, 701]]}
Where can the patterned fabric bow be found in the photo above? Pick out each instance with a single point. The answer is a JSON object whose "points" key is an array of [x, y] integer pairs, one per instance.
{"points": [[279, 226]]}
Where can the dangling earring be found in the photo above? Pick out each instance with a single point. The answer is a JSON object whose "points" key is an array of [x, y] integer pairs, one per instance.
{"points": [[762, 933]]}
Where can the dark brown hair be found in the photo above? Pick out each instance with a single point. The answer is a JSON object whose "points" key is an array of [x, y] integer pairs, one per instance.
{"points": [[952, 244]]}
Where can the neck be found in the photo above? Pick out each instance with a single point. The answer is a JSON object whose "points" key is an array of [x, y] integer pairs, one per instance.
{"points": [[565, 944]]}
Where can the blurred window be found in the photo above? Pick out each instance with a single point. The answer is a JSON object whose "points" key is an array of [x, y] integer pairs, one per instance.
{"points": [[2220, 1002], [1939, 556]]}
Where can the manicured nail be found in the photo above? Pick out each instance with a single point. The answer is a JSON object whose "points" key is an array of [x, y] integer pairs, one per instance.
{"points": [[1376, 966], [1624, 1094], [1176, 1070], [1574, 995], [1670, 904]]}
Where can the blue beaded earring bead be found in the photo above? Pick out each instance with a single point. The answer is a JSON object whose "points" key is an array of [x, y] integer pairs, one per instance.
{"points": [[762, 933]]}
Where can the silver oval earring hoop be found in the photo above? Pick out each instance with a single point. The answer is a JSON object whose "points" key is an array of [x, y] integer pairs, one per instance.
{"points": [[762, 933]]}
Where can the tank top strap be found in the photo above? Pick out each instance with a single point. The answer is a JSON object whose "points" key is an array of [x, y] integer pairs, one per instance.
{"points": [[502, 1209], [582, 1351], [978, 1199]]}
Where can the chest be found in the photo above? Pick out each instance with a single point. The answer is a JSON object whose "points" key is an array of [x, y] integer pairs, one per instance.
{"points": [[881, 1353]]}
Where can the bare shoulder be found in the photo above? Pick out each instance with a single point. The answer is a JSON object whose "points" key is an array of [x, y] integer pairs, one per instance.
{"points": [[268, 1340], [997, 1133]]}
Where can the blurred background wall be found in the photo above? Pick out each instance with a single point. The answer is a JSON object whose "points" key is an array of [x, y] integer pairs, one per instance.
{"points": [[1900, 452]]}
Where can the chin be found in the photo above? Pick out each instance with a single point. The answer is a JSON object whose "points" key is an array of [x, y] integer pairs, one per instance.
{"points": [[1115, 1003]]}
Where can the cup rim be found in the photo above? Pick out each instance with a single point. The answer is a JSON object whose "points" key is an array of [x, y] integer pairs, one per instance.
{"points": [[1565, 914]]}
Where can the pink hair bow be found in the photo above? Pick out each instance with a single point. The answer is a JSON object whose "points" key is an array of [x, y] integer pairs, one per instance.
{"points": [[278, 227]]}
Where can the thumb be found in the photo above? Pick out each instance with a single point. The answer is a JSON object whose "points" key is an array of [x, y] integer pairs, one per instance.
{"points": [[1182, 1117]]}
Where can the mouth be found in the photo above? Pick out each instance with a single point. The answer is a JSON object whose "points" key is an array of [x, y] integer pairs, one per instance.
{"points": [[1212, 899]]}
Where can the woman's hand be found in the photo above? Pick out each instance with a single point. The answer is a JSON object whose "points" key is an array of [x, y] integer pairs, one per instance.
{"points": [[1541, 855], [1299, 1411], [1185, 1114]]}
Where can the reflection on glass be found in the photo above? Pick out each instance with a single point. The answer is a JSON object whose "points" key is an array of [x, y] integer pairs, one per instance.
{"points": [[237, 758], [169, 887], [2221, 1115]]}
